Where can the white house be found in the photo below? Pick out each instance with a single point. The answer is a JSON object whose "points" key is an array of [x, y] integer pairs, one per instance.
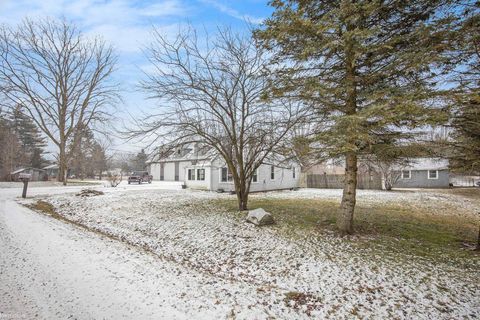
{"points": [[202, 169]]}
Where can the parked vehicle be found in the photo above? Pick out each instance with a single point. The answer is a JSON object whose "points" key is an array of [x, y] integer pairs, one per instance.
{"points": [[139, 177]]}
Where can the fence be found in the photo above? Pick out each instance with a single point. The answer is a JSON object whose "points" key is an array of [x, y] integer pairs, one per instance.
{"points": [[335, 181], [458, 180]]}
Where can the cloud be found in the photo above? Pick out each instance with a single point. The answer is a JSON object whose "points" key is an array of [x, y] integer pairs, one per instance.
{"points": [[232, 12], [126, 24]]}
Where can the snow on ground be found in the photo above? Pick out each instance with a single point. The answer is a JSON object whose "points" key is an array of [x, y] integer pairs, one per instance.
{"points": [[53, 270], [335, 279], [432, 200], [51, 183]]}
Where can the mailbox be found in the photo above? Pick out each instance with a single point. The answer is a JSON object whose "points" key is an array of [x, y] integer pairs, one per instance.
{"points": [[25, 177]]}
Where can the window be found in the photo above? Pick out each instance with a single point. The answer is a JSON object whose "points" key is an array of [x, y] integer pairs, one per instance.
{"points": [[226, 175], [255, 176], [272, 172], [201, 174], [191, 174], [293, 172], [432, 174], [406, 174], [162, 171]]}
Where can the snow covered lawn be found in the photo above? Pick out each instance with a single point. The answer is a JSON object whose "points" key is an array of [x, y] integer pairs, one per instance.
{"points": [[311, 274], [51, 183]]}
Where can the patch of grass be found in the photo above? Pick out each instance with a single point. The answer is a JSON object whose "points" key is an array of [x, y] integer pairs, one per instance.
{"points": [[394, 228], [47, 208], [89, 193], [43, 206], [82, 183], [472, 193]]}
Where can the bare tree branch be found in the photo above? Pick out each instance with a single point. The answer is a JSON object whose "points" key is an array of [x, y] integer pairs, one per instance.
{"points": [[211, 92]]}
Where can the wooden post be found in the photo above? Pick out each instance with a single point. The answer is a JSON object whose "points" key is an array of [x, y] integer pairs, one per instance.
{"points": [[25, 177], [25, 186]]}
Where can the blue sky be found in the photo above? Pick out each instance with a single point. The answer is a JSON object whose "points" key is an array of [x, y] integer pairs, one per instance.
{"points": [[127, 26]]}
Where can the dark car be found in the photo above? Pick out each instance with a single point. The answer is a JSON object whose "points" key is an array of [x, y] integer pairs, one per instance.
{"points": [[139, 177]]}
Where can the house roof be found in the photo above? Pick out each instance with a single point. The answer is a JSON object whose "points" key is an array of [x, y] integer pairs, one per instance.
{"points": [[23, 169], [427, 164], [18, 170], [190, 154], [51, 166]]}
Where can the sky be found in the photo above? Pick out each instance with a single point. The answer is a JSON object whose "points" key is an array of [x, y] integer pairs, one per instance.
{"points": [[127, 26]]}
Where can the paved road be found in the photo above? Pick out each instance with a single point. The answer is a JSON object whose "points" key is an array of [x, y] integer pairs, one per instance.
{"points": [[54, 270]]}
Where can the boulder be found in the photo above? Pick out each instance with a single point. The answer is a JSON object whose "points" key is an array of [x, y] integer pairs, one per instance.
{"points": [[259, 217]]}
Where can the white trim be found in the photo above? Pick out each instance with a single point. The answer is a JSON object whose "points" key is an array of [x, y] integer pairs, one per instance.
{"points": [[409, 174], [428, 175]]}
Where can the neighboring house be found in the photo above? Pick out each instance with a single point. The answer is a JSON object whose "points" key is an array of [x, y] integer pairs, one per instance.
{"points": [[35, 174], [52, 170], [424, 173], [199, 168]]}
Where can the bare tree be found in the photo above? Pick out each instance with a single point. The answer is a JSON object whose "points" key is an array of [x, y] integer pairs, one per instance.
{"points": [[114, 179], [61, 77], [211, 93], [390, 169]]}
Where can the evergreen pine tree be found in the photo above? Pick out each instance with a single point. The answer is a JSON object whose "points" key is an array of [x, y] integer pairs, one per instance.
{"points": [[141, 160], [368, 68], [31, 140], [464, 153], [80, 153], [10, 155]]}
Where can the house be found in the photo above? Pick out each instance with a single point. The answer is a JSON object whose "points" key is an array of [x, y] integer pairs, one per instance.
{"points": [[200, 168], [52, 170], [35, 174], [424, 173]]}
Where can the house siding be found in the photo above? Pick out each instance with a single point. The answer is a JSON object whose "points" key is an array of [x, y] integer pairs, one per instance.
{"points": [[283, 179], [199, 184], [283, 176], [419, 179], [169, 170]]}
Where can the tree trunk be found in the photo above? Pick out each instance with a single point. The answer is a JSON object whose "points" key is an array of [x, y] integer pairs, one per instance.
{"points": [[242, 188], [242, 197], [388, 185], [347, 207], [62, 165]]}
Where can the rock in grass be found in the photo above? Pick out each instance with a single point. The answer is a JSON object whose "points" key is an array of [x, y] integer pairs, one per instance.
{"points": [[259, 217]]}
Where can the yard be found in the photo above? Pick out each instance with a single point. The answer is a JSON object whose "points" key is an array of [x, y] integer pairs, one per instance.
{"points": [[411, 255]]}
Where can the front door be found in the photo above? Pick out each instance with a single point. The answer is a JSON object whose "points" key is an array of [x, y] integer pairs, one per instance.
{"points": [[177, 171]]}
